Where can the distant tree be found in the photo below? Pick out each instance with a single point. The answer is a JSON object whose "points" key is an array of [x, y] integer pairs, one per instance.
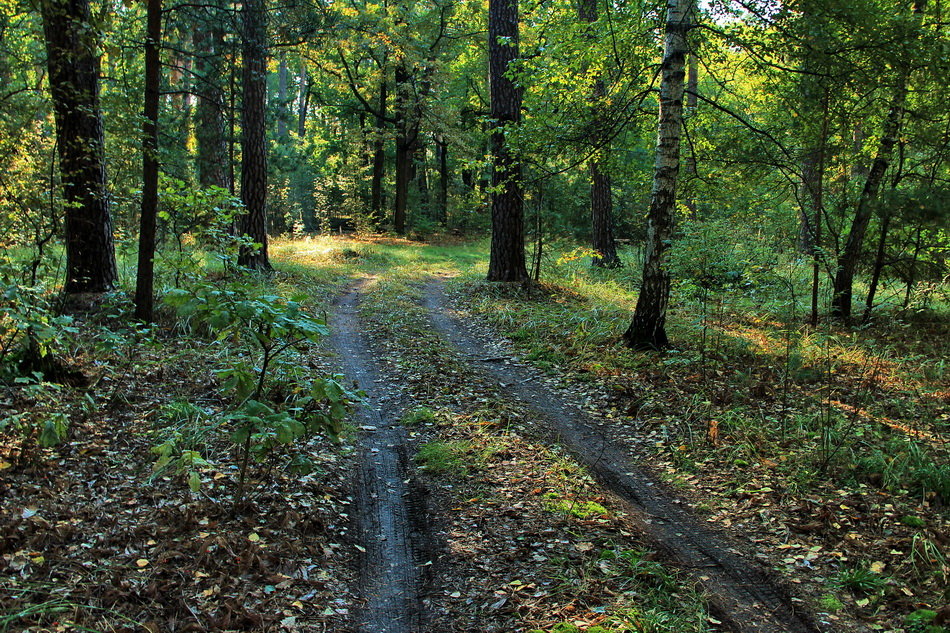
{"points": [[211, 126], [849, 258], [507, 260], [648, 329], [253, 141], [73, 65]]}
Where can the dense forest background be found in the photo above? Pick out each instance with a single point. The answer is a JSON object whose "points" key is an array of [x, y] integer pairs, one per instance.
{"points": [[721, 229], [809, 129]]}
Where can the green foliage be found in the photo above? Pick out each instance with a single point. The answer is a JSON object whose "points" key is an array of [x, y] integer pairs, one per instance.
{"points": [[32, 334], [830, 603], [904, 465], [276, 404], [419, 416], [860, 579], [200, 222]]}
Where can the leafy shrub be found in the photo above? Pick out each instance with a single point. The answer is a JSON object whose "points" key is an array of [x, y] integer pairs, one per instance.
{"points": [[31, 333], [265, 328]]}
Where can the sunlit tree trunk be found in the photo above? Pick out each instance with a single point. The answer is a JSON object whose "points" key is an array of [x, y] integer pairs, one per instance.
{"points": [[74, 85], [507, 260], [144, 295], [648, 328], [253, 140]]}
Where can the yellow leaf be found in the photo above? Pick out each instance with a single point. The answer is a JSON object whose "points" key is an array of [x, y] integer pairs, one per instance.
{"points": [[142, 562], [877, 567], [254, 537], [38, 560], [4, 465]]}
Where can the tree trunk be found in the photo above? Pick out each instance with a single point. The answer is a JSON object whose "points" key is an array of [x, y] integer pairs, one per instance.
{"points": [[878, 267], [601, 205], [379, 155], [407, 131], [211, 130], [692, 101], [849, 258], [442, 203], [421, 174], [144, 295], [648, 328], [74, 86], [253, 141], [282, 71], [507, 261], [601, 202]]}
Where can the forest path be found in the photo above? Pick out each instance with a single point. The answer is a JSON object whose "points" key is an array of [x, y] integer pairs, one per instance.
{"points": [[743, 595], [389, 521]]}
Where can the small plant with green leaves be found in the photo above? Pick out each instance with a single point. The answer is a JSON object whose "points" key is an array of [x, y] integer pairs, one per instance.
{"points": [[266, 328], [419, 416], [31, 333], [861, 580]]}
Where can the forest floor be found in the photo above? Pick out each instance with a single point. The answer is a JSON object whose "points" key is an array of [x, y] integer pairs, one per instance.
{"points": [[506, 516]]}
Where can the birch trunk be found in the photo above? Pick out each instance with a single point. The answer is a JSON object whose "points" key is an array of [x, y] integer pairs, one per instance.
{"points": [[648, 328]]}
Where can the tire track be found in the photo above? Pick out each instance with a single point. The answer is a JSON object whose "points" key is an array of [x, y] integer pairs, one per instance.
{"points": [[388, 516], [742, 594]]}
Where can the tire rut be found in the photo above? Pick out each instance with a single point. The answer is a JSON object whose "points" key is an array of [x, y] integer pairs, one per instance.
{"points": [[389, 518], [742, 594]]}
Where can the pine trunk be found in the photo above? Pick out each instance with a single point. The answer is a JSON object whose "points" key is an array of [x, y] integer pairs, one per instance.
{"points": [[442, 203], [406, 134], [379, 156], [648, 328], [144, 295], [601, 201], [253, 141], [507, 260], [74, 84]]}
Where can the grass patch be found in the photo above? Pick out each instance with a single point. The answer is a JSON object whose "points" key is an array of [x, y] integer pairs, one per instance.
{"points": [[443, 457], [418, 417]]}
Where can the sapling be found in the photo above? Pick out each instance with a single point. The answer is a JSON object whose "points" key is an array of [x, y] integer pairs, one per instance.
{"points": [[267, 327]]}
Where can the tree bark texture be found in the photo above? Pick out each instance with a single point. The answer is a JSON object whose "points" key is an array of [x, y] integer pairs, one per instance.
{"points": [[849, 258], [442, 197], [211, 129], [601, 205], [253, 139], [601, 201], [379, 155], [144, 295], [648, 328], [407, 136], [507, 260], [74, 85]]}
